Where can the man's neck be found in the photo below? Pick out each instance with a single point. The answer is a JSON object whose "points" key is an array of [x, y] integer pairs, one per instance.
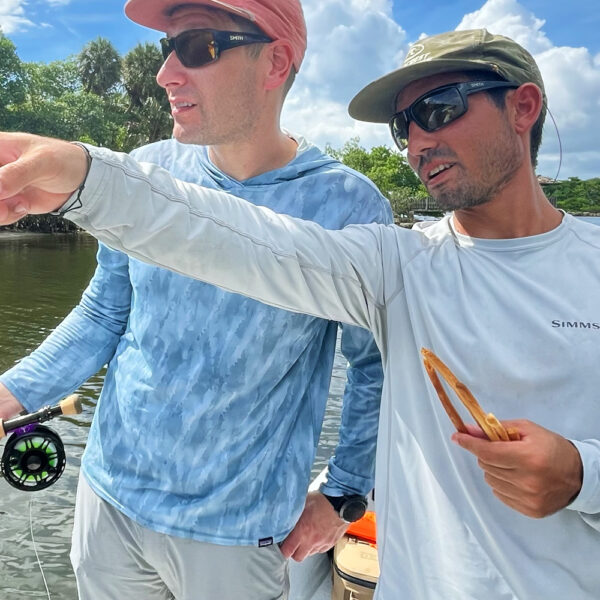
{"points": [[249, 158], [520, 210]]}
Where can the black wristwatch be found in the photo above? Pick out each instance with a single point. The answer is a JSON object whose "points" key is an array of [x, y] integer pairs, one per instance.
{"points": [[350, 508]]}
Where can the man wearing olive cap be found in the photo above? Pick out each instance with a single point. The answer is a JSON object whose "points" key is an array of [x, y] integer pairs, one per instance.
{"points": [[197, 466], [504, 289]]}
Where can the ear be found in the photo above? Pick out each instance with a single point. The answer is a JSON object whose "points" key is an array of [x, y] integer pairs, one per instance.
{"points": [[280, 63], [526, 104]]}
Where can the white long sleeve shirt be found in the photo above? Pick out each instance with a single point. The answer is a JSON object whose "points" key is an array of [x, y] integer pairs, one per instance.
{"points": [[516, 320]]}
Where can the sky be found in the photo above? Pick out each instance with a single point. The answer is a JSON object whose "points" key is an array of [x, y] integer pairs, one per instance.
{"points": [[353, 42]]}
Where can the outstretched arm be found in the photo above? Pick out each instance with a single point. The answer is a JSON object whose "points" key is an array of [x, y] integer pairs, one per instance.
{"points": [[142, 210]]}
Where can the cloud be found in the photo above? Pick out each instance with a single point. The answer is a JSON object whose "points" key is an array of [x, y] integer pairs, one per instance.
{"points": [[509, 18], [350, 43], [572, 80], [12, 17]]}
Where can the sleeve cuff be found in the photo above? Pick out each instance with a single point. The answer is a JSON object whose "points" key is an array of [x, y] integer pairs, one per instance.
{"points": [[588, 499], [342, 483]]}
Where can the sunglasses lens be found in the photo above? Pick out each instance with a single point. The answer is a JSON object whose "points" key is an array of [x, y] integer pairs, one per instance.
{"points": [[399, 128], [194, 48], [165, 47], [439, 109]]}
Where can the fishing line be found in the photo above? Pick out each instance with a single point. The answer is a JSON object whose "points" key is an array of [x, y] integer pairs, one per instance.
{"points": [[37, 556], [560, 150], [34, 455]]}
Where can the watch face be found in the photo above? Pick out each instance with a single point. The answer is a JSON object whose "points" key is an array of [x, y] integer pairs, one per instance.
{"points": [[353, 509]]}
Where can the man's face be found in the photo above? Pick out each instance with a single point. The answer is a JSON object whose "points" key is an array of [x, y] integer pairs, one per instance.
{"points": [[469, 161], [217, 103]]}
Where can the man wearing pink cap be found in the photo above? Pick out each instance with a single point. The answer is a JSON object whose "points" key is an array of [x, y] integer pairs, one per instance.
{"points": [[198, 460]]}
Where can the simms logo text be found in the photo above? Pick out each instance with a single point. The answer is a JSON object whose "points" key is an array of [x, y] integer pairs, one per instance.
{"points": [[575, 324]]}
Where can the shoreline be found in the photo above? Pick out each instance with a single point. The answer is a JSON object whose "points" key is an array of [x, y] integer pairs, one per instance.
{"points": [[21, 233], [11, 234]]}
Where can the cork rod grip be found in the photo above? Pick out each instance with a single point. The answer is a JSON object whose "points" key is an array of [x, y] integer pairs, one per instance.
{"points": [[71, 405]]}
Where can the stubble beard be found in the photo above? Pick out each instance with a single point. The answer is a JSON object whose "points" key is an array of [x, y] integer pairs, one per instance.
{"points": [[499, 161], [223, 125], [210, 132]]}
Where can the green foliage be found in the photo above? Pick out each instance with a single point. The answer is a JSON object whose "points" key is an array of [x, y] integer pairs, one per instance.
{"points": [[139, 68], [149, 117], [99, 66], [11, 74], [148, 122], [575, 195], [52, 80], [89, 97], [388, 170]]}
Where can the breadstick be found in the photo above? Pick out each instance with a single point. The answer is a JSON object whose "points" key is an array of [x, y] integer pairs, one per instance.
{"points": [[493, 429]]}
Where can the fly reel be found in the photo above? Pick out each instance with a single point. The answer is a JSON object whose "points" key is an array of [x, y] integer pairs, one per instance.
{"points": [[33, 460], [34, 455]]}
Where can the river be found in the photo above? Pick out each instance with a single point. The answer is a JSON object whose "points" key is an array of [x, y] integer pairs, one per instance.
{"points": [[41, 279]]}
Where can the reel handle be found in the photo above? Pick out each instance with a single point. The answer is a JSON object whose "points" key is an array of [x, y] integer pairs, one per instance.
{"points": [[71, 405]]}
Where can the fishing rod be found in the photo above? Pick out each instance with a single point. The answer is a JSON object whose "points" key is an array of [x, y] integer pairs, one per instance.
{"points": [[34, 455]]}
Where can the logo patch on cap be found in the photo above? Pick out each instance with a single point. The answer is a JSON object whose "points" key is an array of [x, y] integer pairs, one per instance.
{"points": [[415, 55]]}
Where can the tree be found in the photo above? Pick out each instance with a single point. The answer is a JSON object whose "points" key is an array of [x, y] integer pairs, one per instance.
{"points": [[139, 68], [99, 66], [575, 195], [12, 85], [148, 123], [149, 117], [388, 170], [50, 81]]}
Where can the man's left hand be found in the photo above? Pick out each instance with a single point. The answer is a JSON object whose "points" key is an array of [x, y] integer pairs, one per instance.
{"points": [[317, 530], [537, 475]]}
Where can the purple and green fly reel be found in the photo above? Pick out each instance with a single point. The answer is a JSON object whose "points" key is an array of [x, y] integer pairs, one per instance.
{"points": [[34, 455]]}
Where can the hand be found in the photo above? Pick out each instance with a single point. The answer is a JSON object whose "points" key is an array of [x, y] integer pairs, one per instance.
{"points": [[317, 530], [537, 475], [37, 174], [9, 405]]}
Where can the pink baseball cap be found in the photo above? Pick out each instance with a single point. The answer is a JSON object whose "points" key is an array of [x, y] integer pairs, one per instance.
{"points": [[279, 19]]}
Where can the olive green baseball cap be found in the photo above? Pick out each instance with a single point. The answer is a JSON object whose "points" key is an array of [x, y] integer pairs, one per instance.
{"points": [[469, 50]]}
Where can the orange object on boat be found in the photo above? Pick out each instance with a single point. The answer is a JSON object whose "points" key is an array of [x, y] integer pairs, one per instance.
{"points": [[364, 528]]}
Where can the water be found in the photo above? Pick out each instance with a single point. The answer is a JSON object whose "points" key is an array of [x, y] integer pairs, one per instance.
{"points": [[594, 220], [41, 279]]}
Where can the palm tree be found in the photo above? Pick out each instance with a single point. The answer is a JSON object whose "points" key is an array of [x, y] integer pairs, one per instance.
{"points": [[139, 69], [99, 66]]}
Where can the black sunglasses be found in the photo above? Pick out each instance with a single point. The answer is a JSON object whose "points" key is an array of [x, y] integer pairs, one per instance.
{"points": [[197, 47], [439, 107]]}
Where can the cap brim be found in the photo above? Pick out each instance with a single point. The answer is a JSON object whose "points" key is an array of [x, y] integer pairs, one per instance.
{"points": [[154, 13], [376, 103]]}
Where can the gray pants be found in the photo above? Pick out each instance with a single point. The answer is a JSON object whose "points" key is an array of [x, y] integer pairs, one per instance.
{"points": [[115, 558]]}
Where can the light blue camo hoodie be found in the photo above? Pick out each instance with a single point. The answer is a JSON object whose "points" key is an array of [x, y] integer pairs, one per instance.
{"points": [[212, 406]]}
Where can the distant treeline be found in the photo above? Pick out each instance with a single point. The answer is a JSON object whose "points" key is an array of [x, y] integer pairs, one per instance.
{"points": [[576, 195], [105, 99]]}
